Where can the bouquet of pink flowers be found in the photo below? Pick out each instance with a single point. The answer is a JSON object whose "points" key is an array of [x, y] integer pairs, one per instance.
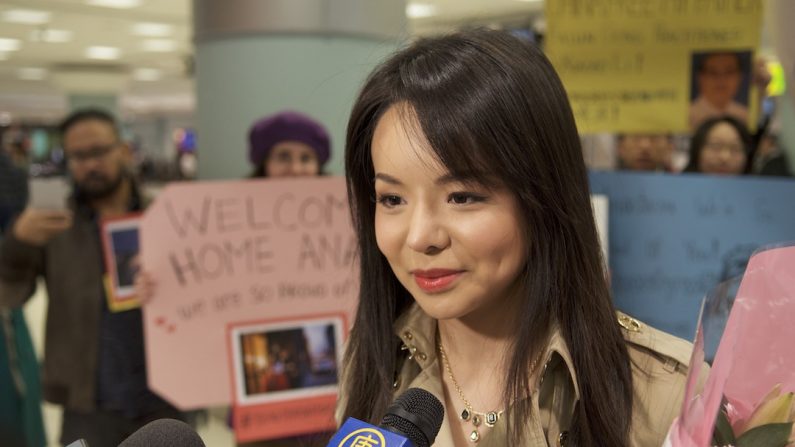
{"points": [[747, 399]]}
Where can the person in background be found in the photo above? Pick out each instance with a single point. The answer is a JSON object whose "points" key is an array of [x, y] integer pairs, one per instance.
{"points": [[770, 157], [722, 146], [481, 276], [21, 423], [94, 363], [288, 144], [645, 152]]}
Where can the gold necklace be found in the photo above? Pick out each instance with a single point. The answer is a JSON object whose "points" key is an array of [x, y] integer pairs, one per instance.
{"points": [[469, 414]]}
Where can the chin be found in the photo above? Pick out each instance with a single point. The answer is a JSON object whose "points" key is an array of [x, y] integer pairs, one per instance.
{"points": [[442, 306]]}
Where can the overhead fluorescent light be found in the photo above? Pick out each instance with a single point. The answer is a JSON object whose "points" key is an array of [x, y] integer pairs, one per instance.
{"points": [[7, 44], [31, 73], [159, 45], [150, 29], [118, 4], [27, 16], [103, 53], [147, 74], [420, 10], [51, 35]]}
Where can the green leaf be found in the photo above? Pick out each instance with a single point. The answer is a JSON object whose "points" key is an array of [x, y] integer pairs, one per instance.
{"points": [[723, 434], [768, 435]]}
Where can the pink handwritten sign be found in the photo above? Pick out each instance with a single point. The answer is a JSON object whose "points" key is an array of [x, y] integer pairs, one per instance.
{"points": [[224, 252]]}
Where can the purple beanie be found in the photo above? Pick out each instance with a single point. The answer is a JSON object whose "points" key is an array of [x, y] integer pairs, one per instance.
{"points": [[287, 126]]}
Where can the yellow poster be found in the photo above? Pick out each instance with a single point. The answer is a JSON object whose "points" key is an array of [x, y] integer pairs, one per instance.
{"points": [[654, 65]]}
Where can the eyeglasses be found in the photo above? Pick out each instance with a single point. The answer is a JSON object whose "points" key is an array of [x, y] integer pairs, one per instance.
{"points": [[723, 74], [77, 157], [716, 147]]}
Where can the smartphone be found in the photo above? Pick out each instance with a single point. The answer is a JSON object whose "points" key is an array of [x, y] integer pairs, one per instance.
{"points": [[48, 193]]}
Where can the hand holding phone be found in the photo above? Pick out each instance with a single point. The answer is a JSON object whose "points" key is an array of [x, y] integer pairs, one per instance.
{"points": [[48, 194]]}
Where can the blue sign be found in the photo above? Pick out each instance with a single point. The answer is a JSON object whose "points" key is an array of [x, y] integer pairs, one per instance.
{"points": [[355, 433], [675, 237]]}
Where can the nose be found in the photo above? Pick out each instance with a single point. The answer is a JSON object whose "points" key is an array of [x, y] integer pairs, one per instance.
{"points": [[91, 164], [296, 167], [427, 233]]}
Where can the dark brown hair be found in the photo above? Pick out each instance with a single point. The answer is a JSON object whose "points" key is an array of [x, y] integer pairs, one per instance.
{"points": [[88, 114], [492, 107]]}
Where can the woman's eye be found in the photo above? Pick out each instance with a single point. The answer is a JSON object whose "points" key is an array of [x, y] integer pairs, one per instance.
{"points": [[283, 157], [389, 200], [464, 198]]}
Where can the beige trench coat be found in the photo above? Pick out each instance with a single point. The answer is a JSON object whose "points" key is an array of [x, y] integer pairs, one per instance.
{"points": [[659, 372]]}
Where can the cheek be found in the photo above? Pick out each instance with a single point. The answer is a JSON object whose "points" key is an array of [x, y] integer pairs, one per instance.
{"points": [[497, 240], [273, 169], [740, 164], [388, 235]]}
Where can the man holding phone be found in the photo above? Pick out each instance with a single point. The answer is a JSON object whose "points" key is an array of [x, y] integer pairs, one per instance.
{"points": [[94, 363]]}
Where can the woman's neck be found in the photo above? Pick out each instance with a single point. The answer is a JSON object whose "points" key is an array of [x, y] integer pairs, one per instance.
{"points": [[478, 348]]}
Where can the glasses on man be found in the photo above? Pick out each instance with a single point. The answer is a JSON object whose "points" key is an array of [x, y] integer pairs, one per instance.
{"points": [[82, 156]]}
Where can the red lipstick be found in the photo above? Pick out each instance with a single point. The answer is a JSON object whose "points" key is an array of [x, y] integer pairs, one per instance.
{"points": [[435, 280]]}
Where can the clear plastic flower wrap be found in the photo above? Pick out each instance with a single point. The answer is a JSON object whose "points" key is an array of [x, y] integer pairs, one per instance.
{"points": [[747, 325]]}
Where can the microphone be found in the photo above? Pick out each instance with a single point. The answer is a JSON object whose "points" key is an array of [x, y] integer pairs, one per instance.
{"points": [[413, 420], [162, 433]]}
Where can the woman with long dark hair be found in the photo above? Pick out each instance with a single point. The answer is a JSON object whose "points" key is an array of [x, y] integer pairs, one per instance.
{"points": [[721, 145], [482, 279]]}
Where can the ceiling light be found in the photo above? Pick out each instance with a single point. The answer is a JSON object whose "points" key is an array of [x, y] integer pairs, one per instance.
{"points": [[420, 10], [103, 53], [26, 16], [150, 29], [159, 45], [32, 73], [118, 4], [51, 35], [147, 74], [7, 44]]}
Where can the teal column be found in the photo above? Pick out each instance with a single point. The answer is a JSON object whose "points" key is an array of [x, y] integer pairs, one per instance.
{"points": [[255, 57]]}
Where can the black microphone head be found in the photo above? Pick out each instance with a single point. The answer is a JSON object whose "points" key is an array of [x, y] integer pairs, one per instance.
{"points": [[417, 414], [164, 432]]}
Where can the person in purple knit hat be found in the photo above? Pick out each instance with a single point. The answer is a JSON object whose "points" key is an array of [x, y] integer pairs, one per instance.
{"points": [[288, 144]]}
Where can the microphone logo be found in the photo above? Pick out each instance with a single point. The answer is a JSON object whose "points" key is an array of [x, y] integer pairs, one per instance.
{"points": [[364, 437]]}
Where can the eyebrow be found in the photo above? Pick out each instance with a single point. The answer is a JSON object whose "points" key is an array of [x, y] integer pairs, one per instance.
{"points": [[387, 178], [443, 180]]}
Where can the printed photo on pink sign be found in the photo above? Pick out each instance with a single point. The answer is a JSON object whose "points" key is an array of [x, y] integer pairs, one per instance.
{"points": [[285, 375], [230, 251]]}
